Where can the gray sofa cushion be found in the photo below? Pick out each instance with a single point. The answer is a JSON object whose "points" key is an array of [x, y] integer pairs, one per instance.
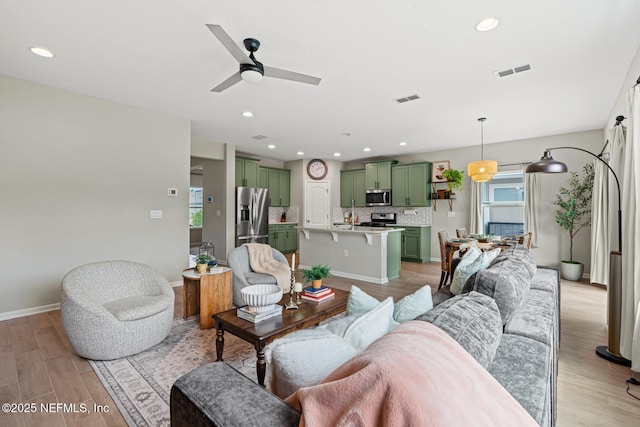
{"points": [[259, 279], [216, 394], [529, 382], [535, 318], [473, 320], [507, 280]]}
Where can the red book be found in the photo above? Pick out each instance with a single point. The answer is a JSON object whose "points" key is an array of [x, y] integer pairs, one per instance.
{"points": [[319, 299]]}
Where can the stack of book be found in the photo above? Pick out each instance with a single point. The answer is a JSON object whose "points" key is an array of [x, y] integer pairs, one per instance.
{"points": [[252, 316], [317, 295]]}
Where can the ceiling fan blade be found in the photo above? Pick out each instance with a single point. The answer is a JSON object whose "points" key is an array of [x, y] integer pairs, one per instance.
{"points": [[229, 44], [228, 83], [290, 75]]}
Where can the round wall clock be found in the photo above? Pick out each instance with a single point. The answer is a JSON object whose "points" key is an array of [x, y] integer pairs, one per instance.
{"points": [[317, 169]]}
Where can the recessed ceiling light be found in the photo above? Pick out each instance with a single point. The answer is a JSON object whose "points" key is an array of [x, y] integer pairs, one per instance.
{"points": [[247, 114], [40, 51], [300, 153], [402, 144], [271, 146], [366, 149], [337, 154], [487, 24]]}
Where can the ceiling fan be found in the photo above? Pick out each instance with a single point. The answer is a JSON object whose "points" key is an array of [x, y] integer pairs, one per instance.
{"points": [[251, 70]]}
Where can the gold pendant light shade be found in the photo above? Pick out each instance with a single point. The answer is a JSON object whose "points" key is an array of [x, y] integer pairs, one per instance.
{"points": [[482, 170]]}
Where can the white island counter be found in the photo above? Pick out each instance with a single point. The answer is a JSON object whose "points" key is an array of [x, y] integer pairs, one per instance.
{"points": [[370, 254]]}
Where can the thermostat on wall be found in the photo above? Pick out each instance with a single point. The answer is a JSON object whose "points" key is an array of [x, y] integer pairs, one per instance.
{"points": [[172, 192]]}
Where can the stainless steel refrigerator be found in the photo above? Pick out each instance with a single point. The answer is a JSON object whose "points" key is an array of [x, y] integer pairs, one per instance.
{"points": [[252, 215]]}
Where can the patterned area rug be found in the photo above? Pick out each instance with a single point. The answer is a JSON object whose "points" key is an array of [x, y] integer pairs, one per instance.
{"points": [[140, 384]]}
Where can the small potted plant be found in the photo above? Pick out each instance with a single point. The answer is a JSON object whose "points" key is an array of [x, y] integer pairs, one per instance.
{"points": [[454, 177], [315, 275], [573, 214], [202, 262]]}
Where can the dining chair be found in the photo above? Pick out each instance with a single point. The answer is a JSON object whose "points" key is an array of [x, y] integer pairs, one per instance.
{"points": [[525, 239], [461, 232], [443, 236]]}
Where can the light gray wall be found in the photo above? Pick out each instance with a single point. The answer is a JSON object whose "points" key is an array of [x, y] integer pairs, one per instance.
{"points": [[78, 177], [620, 107], [553, 240]]}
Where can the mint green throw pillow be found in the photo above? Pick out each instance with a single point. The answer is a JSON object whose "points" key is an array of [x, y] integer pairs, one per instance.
{"points": [[404, 310]]}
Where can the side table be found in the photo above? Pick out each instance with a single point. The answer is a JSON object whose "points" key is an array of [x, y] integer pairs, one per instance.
{"points": [[206, 294]]}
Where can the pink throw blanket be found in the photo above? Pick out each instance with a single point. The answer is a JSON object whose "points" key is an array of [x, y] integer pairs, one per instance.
{"points": [[261, 261], [416, 375]]}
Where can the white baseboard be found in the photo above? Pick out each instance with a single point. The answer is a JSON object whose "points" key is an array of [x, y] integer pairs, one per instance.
{"points": [[29, 311], [176, 283], [361, 278]]}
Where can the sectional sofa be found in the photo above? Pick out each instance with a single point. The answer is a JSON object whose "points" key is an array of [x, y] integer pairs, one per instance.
{"points": [[507, 318]]}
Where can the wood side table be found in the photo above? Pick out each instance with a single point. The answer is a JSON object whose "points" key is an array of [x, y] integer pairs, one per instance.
{"points": [[206, 294]]}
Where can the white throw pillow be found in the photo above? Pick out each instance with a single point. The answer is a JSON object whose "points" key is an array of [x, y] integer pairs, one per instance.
{"points": [[370, 326], [360, 302], [413, 305], [465, 269], [304, 358]]}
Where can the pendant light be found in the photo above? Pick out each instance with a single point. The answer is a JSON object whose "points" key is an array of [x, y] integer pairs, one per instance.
{"points": [[482, 170]]}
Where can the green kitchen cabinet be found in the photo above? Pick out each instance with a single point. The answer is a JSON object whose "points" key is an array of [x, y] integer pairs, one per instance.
{"points": [[246, 172], [416, 243], [283, 237], [278, 182], [352, 187], [378, 175], [411, 184]]}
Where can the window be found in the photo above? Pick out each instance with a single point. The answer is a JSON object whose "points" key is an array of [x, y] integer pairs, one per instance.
{"points": [[195, 206], [503, 204]]}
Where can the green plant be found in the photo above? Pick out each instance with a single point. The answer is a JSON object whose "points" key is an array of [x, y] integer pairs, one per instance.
{"points": [[454, 177], [203, 258], [317, 272], [574, 204]]}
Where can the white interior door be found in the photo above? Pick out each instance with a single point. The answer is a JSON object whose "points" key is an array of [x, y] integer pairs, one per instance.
{"points": [[316, 205]]}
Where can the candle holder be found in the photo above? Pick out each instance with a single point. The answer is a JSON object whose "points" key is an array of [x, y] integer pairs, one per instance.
{"points": [[291, 305]]}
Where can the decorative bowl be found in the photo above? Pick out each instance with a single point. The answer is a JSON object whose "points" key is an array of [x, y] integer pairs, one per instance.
{"points": [[261, 298]]}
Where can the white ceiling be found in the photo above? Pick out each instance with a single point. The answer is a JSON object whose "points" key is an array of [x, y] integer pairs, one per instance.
{"points": [[158, 54]]}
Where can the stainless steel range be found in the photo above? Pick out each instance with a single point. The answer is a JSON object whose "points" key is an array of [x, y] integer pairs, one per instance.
{"points": [[380, 220]]}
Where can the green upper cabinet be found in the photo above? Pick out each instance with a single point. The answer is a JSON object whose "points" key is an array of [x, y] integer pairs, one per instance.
{"points": [[278, 182], [246, 172], [411, 184], [352, 187], [378, 175]]}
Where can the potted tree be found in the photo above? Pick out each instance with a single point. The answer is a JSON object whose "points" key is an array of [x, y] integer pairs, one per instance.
{"points": [[454, 178], [315, 275], [573, 214]]}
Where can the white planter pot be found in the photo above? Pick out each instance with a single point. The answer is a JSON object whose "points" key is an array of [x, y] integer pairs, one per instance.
{"points": [[571, 271]]}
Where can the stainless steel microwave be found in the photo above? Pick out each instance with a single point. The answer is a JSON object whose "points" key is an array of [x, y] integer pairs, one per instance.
{"points": [[378, 198]]}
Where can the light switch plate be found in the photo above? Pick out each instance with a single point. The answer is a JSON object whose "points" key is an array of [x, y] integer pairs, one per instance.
{"points": [[155, 214], [451, 214]]}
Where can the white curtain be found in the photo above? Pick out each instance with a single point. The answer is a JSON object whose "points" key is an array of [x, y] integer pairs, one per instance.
{"points": [[630, 317], [531, 203], [601, 201], [475, 214]]}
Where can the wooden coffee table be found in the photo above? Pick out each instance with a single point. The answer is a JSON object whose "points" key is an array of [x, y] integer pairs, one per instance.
{"points": [[260, 334]]}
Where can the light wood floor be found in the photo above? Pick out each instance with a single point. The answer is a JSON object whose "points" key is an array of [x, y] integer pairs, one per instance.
{"points": [[38, 365]]}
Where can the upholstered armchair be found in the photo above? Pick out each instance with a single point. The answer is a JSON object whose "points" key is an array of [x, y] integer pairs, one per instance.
{"points": [[113, 309], [238, 261]]}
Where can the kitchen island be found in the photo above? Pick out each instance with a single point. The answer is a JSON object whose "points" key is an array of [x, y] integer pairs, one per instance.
{"points": [[370, 254]]}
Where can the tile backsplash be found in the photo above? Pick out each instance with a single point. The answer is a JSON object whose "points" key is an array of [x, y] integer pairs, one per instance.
{"points": [[420, 216], [276, 213]]}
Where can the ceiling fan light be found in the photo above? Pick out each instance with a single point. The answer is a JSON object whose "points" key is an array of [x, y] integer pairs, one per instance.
{"points": [[482, 170], [251, 76]]}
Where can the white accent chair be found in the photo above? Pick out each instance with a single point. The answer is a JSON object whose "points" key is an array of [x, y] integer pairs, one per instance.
{"points": [[243, 275], [113, 309]]}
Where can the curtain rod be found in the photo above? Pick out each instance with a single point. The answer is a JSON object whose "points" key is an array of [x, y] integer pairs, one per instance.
{"points": [[514, 164]]}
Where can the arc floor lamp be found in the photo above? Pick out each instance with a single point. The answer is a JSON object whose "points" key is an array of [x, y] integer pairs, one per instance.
{"points": [[610, 352]]}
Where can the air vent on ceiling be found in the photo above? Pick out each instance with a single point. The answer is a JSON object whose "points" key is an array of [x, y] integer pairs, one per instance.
{"points": [[514, 70], [259, 137], [407, 98]]}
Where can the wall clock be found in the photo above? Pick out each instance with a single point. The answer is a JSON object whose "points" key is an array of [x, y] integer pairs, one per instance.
{"points": [[317, 169]]}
